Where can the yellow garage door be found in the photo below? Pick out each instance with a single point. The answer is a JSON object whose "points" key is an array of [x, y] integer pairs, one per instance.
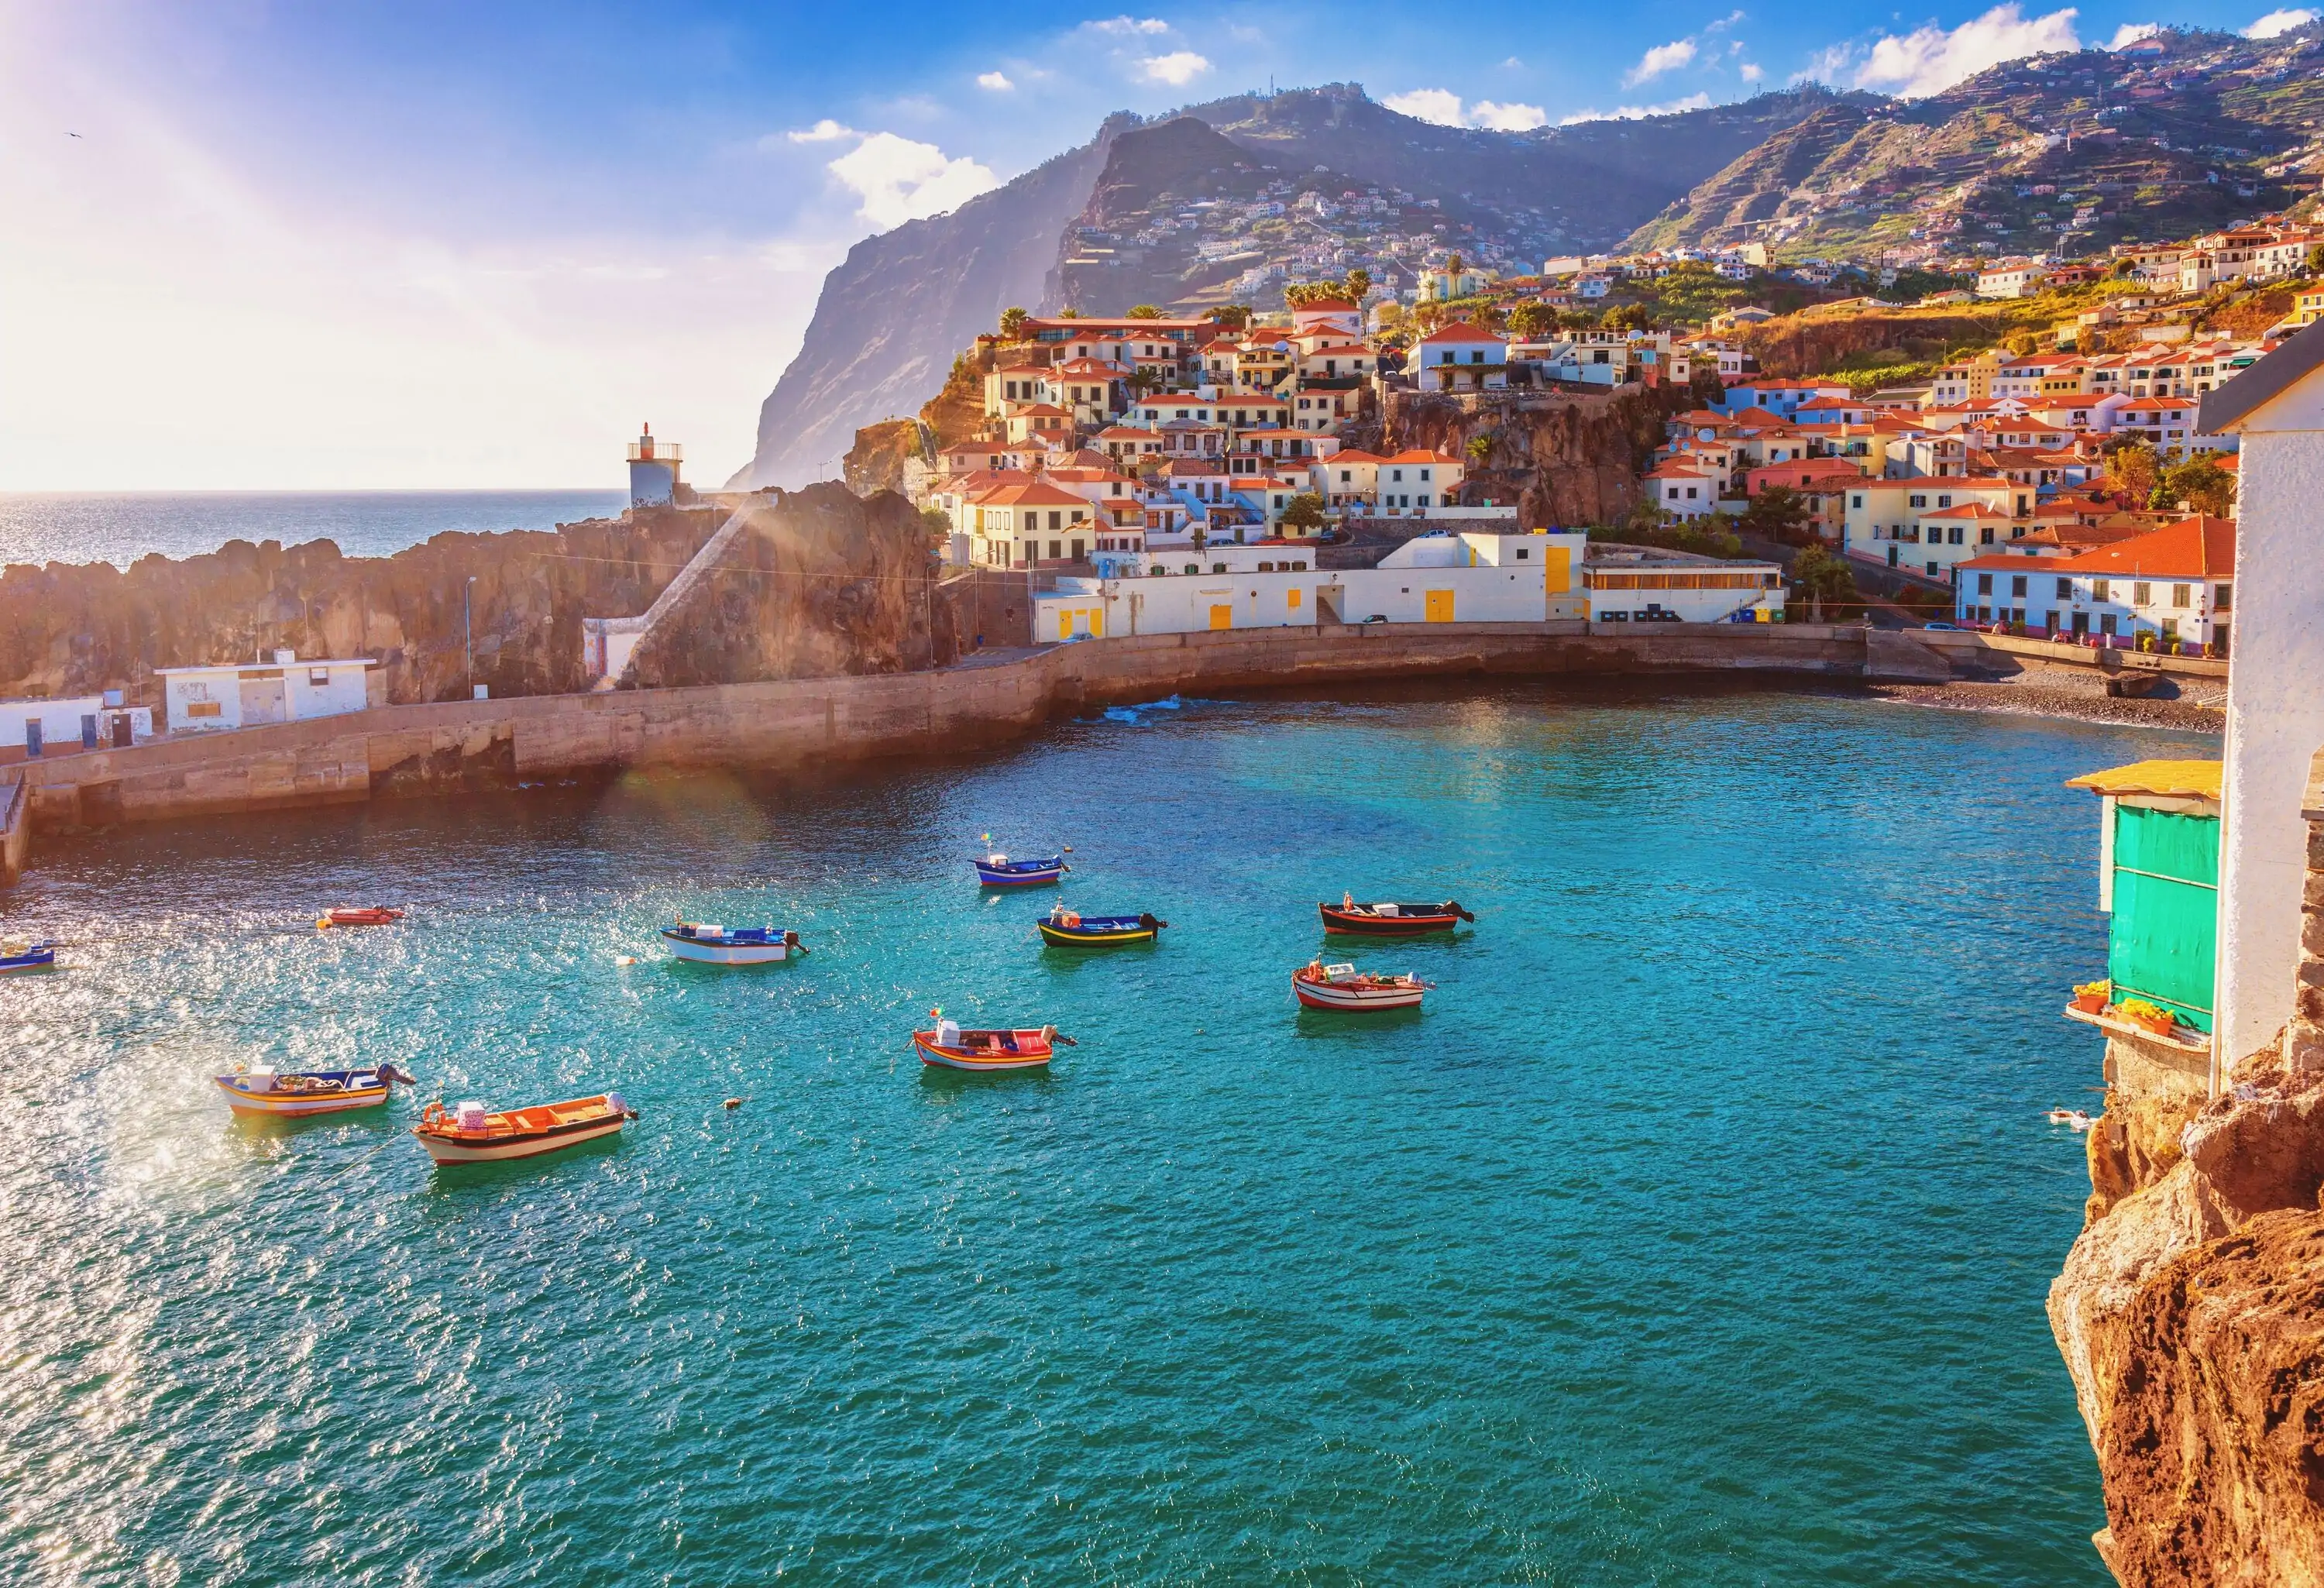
{"points": [[1440, 606], [1223, 617]]}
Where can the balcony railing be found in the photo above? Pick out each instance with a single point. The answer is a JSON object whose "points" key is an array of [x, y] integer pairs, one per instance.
{"points": [[656, 452]]}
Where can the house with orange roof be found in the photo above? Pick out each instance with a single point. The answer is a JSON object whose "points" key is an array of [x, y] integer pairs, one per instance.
{"points": [[1683, 489], [1024, 524], [2173, 588]]}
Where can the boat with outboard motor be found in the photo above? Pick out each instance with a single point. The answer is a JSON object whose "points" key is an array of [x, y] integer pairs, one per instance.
{"points": [[28, 956], [351, 915], [998, 871], [1068, 929], [1392, 921], [1344, 988], [948, 1047], [297, 1093], [472, 1133], [701, 943]]}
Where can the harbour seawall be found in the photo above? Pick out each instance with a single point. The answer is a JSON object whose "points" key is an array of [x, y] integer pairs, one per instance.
{"points": [[449, 746]]}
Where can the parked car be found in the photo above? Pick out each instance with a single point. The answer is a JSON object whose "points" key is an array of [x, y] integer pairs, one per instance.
{"points": [[1949, 628]]}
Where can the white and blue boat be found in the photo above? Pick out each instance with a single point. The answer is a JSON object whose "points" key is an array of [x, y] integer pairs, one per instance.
{"points": [[27, 956], [998, 871], [705, 944]]}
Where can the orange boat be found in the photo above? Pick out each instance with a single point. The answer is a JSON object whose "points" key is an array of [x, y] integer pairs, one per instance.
{"points": [[987, 1052], [470, 1133], [368, 915]]}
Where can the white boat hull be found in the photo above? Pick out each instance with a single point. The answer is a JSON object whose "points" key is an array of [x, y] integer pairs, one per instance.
{"points": [[1357, 1000], [699, 953], [443, 1151], [298, 1104]]}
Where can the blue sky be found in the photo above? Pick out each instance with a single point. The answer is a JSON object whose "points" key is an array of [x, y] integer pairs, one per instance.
{"points": [[429, 245]]}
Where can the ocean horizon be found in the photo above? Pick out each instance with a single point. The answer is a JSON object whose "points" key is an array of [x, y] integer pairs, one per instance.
{"points": [[119, 527]]}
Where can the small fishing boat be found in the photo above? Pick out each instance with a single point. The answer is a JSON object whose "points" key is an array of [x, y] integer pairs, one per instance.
{"points": [[998, 871], [1343, 987], [27, 956], [368, 915], [472, 1133], [1392, 921], [1067, 928], [948, 1047], [296, 1094], [704, 944]]}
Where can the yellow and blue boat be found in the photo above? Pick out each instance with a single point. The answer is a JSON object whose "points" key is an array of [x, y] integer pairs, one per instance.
{"points": [[1065, 929]]}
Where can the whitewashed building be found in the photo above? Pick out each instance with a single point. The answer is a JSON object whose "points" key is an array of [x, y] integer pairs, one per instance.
{"points": [[243, 695], [79, 722]]}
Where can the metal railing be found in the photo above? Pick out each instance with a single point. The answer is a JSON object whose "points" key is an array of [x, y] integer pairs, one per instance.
{"points": [[656, 452]]}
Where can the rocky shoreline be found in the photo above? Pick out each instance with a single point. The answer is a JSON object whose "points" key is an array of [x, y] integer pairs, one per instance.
{"points": [[2076, 694]]}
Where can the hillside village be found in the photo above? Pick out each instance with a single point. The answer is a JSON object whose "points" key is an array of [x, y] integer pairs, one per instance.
{"points": [[1086, 450]]}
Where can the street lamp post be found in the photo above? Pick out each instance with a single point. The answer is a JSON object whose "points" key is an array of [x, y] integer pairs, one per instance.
{"points": [[469, 631]]}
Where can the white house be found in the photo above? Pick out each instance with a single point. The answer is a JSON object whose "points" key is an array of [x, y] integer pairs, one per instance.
{"points": [[243, 695], [2174, 586], [79, 723], [2275, 712], [1460, 358], [1637, 584]]}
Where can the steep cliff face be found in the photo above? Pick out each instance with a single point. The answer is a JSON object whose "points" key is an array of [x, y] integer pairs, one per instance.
{"points": [[820, 583], [2191, 1311], [892, 316], [68, 630], [1564, 458], [1801, 345]]}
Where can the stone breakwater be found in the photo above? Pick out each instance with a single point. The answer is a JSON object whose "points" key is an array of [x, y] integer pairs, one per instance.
{"points": [[784, 723]]}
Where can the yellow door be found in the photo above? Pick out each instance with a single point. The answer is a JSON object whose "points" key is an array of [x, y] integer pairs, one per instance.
{"points": [[1557, 575], [1440, 606], [1223, 617], [1292, 599], [1097, 623]]}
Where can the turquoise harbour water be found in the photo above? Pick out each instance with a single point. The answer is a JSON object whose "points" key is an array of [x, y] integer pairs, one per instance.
{"points": [[1697, 1233]]}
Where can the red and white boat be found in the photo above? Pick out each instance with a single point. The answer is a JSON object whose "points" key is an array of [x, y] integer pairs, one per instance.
{"points": [[471, 1133], [948, 1047], [366, 915], [1344, 987]]}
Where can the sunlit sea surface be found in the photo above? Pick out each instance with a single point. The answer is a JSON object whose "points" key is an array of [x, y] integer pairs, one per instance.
{"points": [[120, 528], [1696, 1232]]}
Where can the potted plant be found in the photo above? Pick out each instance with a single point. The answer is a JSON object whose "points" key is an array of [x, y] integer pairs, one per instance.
{"points": [[2151, 1018], [2090, 997]]}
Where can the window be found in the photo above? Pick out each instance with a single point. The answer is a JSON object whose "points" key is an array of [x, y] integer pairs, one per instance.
{"points": [[1920, 501], [2219, 598], [1855, 500], [1955, 536], [2179, 594], [2141, 593], [2106, 624], [2017, 587], [1056, 550], [1396, 474], [1984, 537], [1523, 554], [204, 708], [2101, 590], [1984, 584], [317, 677], [2065, 593], [1944, 502]]}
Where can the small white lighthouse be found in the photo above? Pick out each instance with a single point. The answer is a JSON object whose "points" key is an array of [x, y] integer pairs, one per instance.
{"points": [[653, 471]]}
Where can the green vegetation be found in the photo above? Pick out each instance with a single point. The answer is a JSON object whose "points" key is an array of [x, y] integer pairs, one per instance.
{"points": [[1304, 511], [2200, 483], [1777, 513], [1706, 537], [1144, 311], [1822, 580], [1012, 323]]}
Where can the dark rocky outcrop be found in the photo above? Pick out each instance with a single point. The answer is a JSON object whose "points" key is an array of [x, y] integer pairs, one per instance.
{"points": [[820, 581], [1564, 458]]}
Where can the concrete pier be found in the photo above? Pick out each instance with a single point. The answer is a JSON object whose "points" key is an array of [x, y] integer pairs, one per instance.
{"points": [[419, 750]]}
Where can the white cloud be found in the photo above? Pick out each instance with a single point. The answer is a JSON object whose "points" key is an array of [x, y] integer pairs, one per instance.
{"points": [[1177, 69], [1124, 27], [1930, 60], [1728, 21], [1509, 118], [1751, 71], [1440, 105], [825, 131], [2131, 33], [2279, 22], [1639, 112], [1661, 59], [898, 179], [996, 82], [1514, 63]]}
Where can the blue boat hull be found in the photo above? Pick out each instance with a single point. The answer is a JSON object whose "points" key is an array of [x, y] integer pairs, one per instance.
{"points": [[41, 958], [1025, 874]]}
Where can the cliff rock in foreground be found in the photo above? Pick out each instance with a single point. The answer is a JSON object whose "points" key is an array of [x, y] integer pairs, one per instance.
{"points": [[74, 630], [1566, 459], [2191, 1310]]}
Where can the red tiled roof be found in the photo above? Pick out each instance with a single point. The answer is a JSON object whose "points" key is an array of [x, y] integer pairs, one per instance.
{"points": [[2201, 547], [1459, 330]]}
